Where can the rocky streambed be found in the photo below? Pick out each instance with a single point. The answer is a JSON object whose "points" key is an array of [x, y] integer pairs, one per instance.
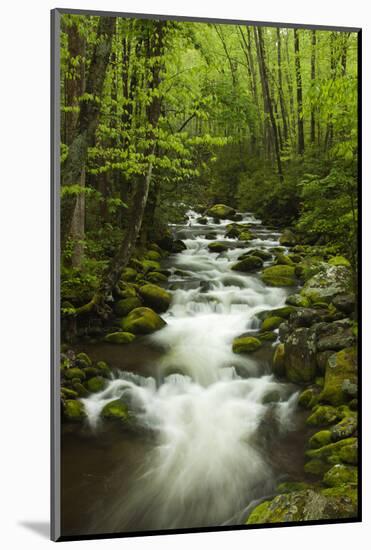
{"points": [[224, 386]]}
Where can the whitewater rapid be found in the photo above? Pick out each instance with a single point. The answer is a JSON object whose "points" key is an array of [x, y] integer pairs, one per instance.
{"points": [[206, 406]]}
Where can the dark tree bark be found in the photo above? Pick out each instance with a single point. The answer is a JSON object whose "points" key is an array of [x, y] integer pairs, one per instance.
{"points": [[280, 87], [259, 39], [73, 171], [299, 94]]}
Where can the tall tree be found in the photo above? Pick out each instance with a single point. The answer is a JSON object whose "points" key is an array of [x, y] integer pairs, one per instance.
{"points": [[299, 94], [313, 78]]}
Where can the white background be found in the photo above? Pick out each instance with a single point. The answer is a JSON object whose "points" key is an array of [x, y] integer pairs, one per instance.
{"points": [[25, 260]]}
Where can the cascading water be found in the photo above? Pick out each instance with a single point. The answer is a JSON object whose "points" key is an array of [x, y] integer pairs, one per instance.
{"points": [[208, 406]]}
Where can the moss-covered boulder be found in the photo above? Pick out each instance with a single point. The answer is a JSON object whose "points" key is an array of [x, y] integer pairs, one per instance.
{"points": [[83, 360], [119, 338], [250, 263], [74, 372], [245, 344], [278, 365], [90, 372], [67, 393], [142, 320], [201, 220], [283, 259], [344, 450], [271, 323], [155, 297], [300, 355], [73, 411], [327, 283], [103, 369], [287, 238], [324, 415], [153, 255], [150, 265], [217, 247], [267, 336], [129, 274], [319, 439], [297, 300], [305, 505], [308, 398], [263, 254], [80, 389], [339, 260], [340, 474], [345, 428], [96, 384], [115, 410], [245, 235], [221, 211], [279, 275], [341, 367], [124, 306], [156, 277], [232, 231]]}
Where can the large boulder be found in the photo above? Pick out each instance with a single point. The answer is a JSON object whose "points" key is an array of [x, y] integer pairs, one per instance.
{"points": [[245, 344], [142, 320], [297, 300], [155, 297], [249, 263], [73, 410], [335, 336], [115, 410], [279, 275], [306, 505], [124, 306], [287, 238], [119, 338], [341, 367], [217, 247], [221, 212], [327, 283], [300, 355]]}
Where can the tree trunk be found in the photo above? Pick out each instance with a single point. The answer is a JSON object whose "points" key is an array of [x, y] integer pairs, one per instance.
{"points": [[259, 39], [154, 51], [299, 94], [280, 87], [75, 164]]}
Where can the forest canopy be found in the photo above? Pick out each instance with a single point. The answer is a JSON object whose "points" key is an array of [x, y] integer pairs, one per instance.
{"points": [[160, 116]]}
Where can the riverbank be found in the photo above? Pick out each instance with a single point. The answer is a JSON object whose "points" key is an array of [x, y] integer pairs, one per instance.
{"points": [[228, 341]]}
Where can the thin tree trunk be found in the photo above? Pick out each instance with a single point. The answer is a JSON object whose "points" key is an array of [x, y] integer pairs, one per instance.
{"points": [[259, 39], [313, 78], [75, 163], [280, 87], [299, 94]]}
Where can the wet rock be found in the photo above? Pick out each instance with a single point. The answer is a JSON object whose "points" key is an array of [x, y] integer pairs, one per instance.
{"points": [[103, 369], [344, 450], [271, 323], [297, 300], [339, 260], [142, 320], [217, 247], [245, 344], [345, 303], [283, 259], [119, 338], [322, 359], [245, 236], [221, 212], [305, 505], [250, 263], [278, 365], [279, 275], [96, 384], [170, 245], [202, 221], [129, 274], [80, 389], [341, 367], [115, 410], [155, 297], [309, 397], [73, 411], [124, 306], [263, 254], [340, 475], [74, 372], [300, 355], [323, 415], [156, 277], [335, 336], [232, 232], [284, 331], [304, 317], [327, 283], [287, 238], [319, 439], [345, 428], [283, 312], [83, 360]]}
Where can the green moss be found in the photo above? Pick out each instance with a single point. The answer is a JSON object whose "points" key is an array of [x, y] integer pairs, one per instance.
{"points": [[68, 393], [262, 254], [221, 211], [123, 307], [320, 439], [308, 398], [316, 467], [104, 369], [279, 275], [115, 410], [155, 297], [153, 255], [297, 300], [150, 265], [245, 236], [217, 247], [291, 486], [82, 359], [142, 320], [282, 259], [96, 384], [344, 450], [245, 344], [74, 372], [287, 238], [250, 263], [340, 367], [259, 514], [156, 277], [90, 372], [119, 337], [73, 410], [323, 416], [345, 428], [267, 336], [339, 260], [80, 389], [129, 274], [271, 323], [340, 475], [278, 366]]}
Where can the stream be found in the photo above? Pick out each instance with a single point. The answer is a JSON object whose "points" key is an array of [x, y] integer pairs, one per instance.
{"points": [[211, 443]]}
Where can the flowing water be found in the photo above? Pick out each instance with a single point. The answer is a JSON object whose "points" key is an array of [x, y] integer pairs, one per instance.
{"points": [[215, 441]]}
